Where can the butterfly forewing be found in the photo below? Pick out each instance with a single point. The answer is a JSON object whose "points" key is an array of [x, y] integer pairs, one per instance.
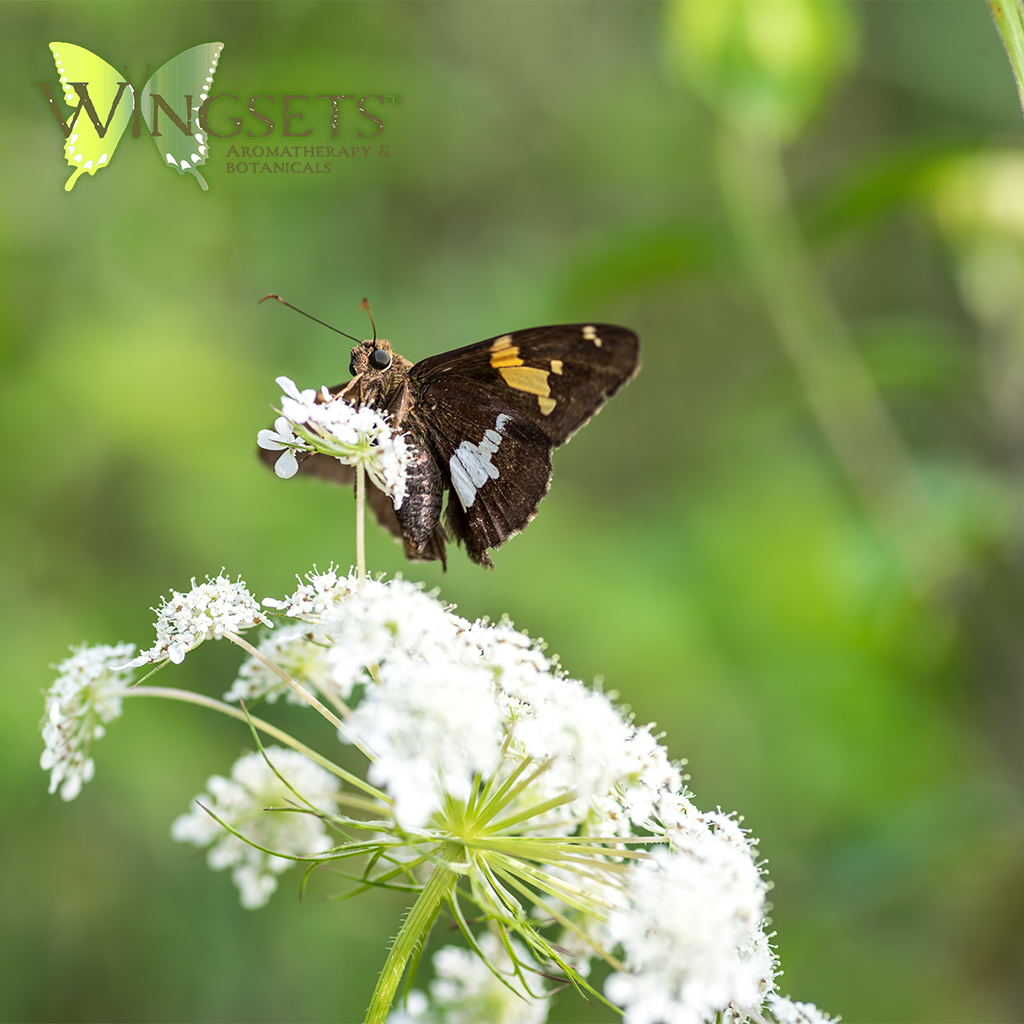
{"points": [[188, 74], [557, 377], [85, 149]]}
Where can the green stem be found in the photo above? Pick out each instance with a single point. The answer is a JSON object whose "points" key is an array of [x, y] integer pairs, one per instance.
{"points": [[303, 693], [1009, 18], [188, 697], [412, 934], [361, 520], [838, 387]]}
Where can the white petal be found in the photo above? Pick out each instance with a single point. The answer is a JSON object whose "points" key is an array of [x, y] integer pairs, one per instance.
{"points": [[286, 466], [287, 385], [269, 441], [294, 410], [142, 659]]}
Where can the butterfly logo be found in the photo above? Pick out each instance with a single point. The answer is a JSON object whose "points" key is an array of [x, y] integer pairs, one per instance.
{"points": [[93, 86]]}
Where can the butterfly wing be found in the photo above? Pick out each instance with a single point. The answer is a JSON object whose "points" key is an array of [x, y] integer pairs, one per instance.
{"points": [[556, 377], [85, 149], [494, 411], [188, 74], [496, 461]]}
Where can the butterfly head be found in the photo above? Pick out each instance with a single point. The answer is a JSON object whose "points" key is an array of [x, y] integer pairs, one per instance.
{"points": [[378, 368]]}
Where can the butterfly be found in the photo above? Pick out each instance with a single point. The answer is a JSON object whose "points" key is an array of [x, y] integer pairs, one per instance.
{"points": [[89, 148], [481, 423]]}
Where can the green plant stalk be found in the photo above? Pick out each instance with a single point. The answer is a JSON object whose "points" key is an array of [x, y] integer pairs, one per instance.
{"points": [[361, 520], [1009, 18], [837, 385], [189, 697], [412, 935]]}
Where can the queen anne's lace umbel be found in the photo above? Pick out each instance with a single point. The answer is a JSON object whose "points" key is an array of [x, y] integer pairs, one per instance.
{"points": [[554, 817]]}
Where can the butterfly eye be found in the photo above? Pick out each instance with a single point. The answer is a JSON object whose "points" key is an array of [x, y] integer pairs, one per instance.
{"points": [[352, 366], [380, 359]]}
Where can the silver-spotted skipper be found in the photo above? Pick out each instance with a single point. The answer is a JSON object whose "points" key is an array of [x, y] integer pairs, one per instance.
{"points": [[481, 423]]}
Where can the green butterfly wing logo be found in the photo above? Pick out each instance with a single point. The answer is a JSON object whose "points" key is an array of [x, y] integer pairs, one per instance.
{"points": [[85, 148], [188, 74], [177, 89]]}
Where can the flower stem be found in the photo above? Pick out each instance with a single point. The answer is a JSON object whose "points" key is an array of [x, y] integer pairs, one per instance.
{"points": [[361, 520], [1009, 18], [412, 934], [302, 692], [189, 697]]}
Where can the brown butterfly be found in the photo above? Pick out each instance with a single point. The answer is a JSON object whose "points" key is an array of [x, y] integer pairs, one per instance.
{"points": [[481, 423]]}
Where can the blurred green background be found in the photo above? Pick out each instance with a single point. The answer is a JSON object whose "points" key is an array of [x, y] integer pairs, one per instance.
{"points": [[794, 541]]}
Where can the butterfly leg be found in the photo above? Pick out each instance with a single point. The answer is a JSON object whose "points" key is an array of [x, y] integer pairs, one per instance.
{"points": [[399, 406]]}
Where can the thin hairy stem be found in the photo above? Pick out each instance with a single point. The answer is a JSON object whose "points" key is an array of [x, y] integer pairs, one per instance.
{"points": [[304, 694], [361, 520], [188, 697], [1009, 18]]}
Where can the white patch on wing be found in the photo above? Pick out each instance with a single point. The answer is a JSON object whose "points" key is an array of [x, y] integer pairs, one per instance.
{"points": [[471, 465]]}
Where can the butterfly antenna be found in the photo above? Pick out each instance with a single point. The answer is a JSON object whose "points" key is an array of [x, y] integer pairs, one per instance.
{"points": [[310, 315], [365, 307]]}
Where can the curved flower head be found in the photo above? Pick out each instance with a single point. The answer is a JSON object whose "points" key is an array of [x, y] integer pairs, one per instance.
{"points": [[241, 801], [327, 423], [85, 696], [207, 611]]}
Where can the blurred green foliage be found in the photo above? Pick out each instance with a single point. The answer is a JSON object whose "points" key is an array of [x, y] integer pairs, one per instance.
{"points": [[702, 548]]}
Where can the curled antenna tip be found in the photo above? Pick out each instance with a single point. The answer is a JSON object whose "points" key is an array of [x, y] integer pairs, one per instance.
{"points": [[272, 295], [364, 306]]}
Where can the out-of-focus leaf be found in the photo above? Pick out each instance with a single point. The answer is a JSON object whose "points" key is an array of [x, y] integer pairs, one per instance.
{"points": [[768, 65], [636, 259]]}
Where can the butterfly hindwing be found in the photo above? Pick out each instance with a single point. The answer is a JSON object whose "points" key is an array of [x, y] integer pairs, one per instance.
{"points": [[188, 74], [557, 377], [85, 149], [496, 461]]}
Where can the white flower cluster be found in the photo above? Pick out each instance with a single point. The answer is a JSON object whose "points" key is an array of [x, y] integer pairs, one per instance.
{"points": [[453, 702], [85, 696], [466, 991], [692, 934], [241, 801], [312, 421], [207, 611], [488, 761]]}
